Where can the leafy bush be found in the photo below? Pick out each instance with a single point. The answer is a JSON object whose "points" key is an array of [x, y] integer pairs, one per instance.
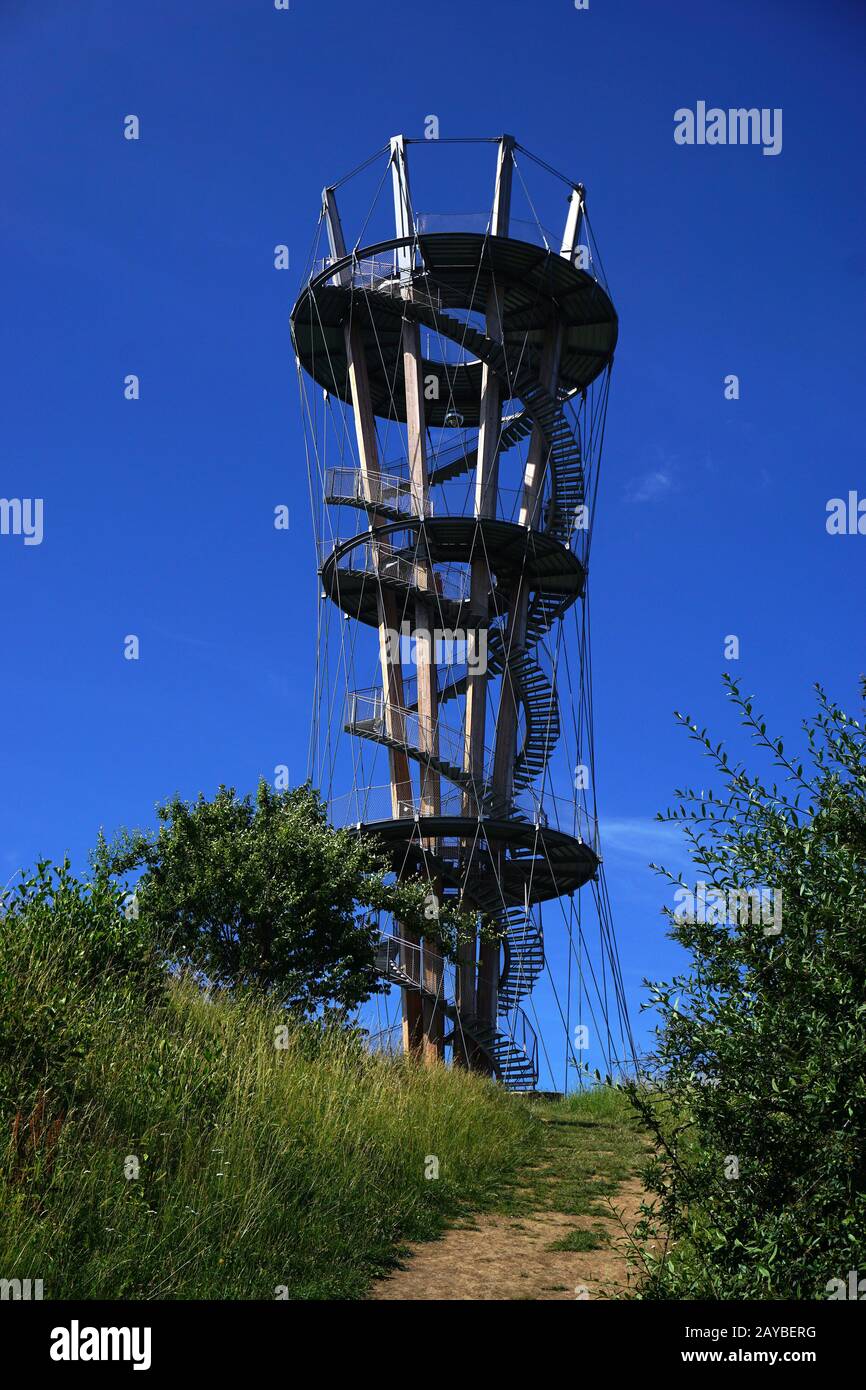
{"points": [[760, 1125]]}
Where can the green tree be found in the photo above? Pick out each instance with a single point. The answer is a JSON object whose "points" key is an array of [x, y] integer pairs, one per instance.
{"points": [[760, 1120], [263, 892]]}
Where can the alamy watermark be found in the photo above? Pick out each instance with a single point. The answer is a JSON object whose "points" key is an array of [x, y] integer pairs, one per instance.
{"points": [[444, 646], [730, 907], [77, 1343], [854, 1288], [736, 126], [17, 1290], [22, 516], [846, 516]]}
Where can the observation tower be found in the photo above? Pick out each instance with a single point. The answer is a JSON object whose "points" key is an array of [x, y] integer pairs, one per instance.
{"points": [[454, 374]]}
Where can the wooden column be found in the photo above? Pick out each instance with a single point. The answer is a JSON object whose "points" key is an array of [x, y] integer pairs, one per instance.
{"points": [[484, 1003], [433, 1032], [388, 617]]}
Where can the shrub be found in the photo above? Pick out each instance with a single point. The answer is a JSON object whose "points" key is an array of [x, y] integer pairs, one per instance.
{"points": [[760, 1126]]}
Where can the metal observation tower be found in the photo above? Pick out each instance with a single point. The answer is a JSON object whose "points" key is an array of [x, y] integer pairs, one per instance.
{"points": [[454, 373]]}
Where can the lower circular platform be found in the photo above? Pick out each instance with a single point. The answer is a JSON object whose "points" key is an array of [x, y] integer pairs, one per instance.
{"points": [[504, 862]]}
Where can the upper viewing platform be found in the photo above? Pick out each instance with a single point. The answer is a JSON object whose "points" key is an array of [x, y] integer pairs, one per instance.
{"points": [[447, 285], [496, 307]]}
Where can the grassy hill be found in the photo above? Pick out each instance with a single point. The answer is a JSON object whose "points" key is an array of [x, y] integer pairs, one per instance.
{"points": [[259, 1167], [161, 1141]]}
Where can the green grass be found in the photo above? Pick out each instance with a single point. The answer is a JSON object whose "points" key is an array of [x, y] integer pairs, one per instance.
{"points": [[591, 1142], [581, 1240], [155, 1143], [259, 1169]]}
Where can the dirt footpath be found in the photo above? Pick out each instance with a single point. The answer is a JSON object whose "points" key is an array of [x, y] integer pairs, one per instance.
{"points": [[509, 1257]]}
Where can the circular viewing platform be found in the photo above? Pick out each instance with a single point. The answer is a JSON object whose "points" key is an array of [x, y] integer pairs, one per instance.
{"points": [[511, 862], [454, 277], [391, 555]]}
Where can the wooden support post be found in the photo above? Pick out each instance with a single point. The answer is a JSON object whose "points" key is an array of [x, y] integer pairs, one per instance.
{"points": [[486, 488], [433, 1031], [388, 618]]}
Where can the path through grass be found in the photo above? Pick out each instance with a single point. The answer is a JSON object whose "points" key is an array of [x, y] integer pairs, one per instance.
{"points": [[552, 1232]]}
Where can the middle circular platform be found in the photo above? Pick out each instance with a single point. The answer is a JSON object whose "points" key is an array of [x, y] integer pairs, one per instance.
{"points": [[353, 570]]}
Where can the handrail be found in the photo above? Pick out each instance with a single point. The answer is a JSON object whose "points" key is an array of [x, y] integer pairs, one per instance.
{"points": [[510, 1047], [368, 272], [372, 489], [373, 803], [353, 486], [381, 559]]}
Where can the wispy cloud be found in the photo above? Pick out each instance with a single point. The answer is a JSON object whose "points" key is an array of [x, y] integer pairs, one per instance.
{"points": [[642, 838], [661, 476], [651, 485]]}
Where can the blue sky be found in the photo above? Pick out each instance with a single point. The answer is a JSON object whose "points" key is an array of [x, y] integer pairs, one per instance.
{"points": [[156, 257]]}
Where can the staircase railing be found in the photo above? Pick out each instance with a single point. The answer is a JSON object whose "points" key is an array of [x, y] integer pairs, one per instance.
{"points": [[350, 485], [367, 714], [524, 1037]]}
